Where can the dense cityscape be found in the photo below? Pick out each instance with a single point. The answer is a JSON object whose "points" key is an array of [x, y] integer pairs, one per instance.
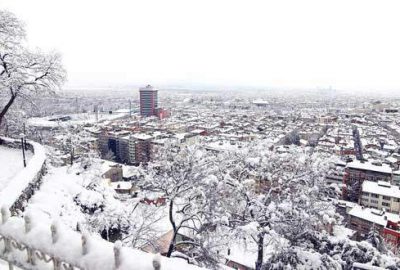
{"points": [[171, 176]]}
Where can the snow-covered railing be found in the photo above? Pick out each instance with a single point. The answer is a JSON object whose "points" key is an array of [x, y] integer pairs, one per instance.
{"points": [[22, 186], [29, 244]]}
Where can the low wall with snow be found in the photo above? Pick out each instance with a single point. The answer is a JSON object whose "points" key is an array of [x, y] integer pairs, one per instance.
{"points": [[31, 244], [24, 184]]}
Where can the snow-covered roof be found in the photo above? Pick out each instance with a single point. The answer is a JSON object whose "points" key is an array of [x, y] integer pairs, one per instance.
{"points": [[391, 159], [180, 136], [129, 171], [381, 188], [106, 165], [197, 131], [367, 166], [348, 204], [121, 185], [141, 136], [373, 215]]}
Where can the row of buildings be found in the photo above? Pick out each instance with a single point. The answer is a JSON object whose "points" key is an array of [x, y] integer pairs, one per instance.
{"points": [[371, 194], [125, 147]]}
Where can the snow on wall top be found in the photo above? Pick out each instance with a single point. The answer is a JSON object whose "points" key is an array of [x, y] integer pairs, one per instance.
{"points": [[81, 250]]}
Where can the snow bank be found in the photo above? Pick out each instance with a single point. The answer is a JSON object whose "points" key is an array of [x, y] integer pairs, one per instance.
{"points": [[12, 192], [81, 250]]}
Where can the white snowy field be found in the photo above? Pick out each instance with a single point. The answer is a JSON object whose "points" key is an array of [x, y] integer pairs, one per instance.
{"points": [[11, 163], [4, 266]]}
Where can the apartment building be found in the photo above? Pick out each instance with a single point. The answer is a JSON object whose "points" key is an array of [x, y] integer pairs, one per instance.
{"points": [[356, 172], [363, 219], [381, 195], [115, 142], [148, 101], [126, 148], [370, 171], [142, 145]]}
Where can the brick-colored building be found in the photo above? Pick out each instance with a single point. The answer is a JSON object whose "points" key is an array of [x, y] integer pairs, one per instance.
{"points": [[363, 219], [148, 101]]}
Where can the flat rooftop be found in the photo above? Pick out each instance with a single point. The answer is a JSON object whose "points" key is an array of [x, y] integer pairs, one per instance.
{"points": [[368, 166], [381, 188]]}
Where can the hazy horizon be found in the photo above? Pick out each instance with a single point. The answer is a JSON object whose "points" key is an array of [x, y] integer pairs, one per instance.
{"points": [[349, 46]]}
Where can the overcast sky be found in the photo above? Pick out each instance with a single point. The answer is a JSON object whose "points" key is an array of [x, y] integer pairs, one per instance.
{"points": [[346, 44]]}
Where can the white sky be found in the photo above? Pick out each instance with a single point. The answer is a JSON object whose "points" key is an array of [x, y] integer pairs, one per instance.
{"points": [[346, 44]]}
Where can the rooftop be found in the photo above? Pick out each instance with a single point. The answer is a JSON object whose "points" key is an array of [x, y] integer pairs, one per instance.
{"points": [[368, 166], [141, 136], [381, 188], [147, 88], [373, 215]]}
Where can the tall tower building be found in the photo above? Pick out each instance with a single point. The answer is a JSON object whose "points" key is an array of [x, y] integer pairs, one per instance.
{"points": [[148, 101]]}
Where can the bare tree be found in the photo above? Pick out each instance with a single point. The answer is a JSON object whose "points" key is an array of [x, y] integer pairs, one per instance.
{"points": [[24, 73], [274, 192], [185, 179]]}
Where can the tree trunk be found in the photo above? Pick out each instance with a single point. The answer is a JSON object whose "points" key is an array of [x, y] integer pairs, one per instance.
{"points": [[171, 247], [5, 109], [72, 155], [260, 253], [171, 219]]}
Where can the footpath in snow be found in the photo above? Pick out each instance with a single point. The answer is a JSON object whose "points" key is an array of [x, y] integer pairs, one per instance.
{"points": [[11, 163], [22, 177]]}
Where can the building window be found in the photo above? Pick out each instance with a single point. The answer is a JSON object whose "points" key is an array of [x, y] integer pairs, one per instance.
{"points": [[374, 195], [374, 201], [386, 198], [366, 194], [385, 204]]}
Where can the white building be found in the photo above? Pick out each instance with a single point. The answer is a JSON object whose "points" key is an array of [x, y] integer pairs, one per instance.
{"points": [[381, 195]]}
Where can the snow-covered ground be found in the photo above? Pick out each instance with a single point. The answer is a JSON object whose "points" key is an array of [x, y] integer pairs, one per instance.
{"points": [[54, 199], [76, 119], [341, 232], [11, 163], [4, 266], [17, 183]]}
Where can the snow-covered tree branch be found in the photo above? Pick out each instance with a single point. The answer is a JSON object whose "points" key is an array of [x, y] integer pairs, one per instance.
{"points": [[24, 73]]}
